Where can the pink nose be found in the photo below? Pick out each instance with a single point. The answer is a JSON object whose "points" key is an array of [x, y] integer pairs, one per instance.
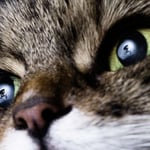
{"points": [[36, 119]]}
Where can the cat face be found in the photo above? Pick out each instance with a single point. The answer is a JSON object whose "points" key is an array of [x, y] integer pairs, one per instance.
{"points": [[74, 75]]}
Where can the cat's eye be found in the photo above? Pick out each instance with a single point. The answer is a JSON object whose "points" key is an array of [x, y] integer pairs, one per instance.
{"points": [[9, 86], [132, 48]]}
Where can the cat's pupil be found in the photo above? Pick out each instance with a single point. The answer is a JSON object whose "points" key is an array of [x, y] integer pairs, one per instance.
{"points": [[132, 48]]}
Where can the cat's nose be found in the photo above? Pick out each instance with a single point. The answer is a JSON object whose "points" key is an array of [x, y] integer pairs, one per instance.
{"points": [[37, 119]]}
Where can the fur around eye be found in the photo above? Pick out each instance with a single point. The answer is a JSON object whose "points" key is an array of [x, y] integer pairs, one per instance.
{"points": [[131, 48]]}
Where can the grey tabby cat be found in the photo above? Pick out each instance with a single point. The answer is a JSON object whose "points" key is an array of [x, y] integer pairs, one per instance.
{"points": [[74, 75]]}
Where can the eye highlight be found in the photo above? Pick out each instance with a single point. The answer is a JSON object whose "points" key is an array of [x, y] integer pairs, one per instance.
{"points": [[132, 48], [9, 86]]}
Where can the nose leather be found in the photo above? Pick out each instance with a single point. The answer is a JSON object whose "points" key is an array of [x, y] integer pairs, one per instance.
{"points": [[37, 119]]}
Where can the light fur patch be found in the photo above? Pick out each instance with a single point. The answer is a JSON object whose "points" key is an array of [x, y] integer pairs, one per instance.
{"points": [[27, 95], [76, 131], [17, 140], [86, 48], [12, 65]]}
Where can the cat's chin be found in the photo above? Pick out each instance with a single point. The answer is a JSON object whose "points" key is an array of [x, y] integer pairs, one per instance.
{"points": [[16, 140]]}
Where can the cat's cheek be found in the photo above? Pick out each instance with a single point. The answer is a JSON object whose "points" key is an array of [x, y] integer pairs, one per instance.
{"points": [[75, 131], [17, 140]]}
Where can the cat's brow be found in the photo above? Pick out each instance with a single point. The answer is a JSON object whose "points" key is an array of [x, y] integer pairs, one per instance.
{"points": [[12, 65], [12, 60]]}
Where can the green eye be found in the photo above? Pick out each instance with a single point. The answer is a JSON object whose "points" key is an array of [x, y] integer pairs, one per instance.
{"points": [[16, 82], [132, 48], [9, 86]]}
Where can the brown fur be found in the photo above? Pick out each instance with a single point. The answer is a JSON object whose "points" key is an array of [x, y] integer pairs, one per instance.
{"points": [[57, 47]]}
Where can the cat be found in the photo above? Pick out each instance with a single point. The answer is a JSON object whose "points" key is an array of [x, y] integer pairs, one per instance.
{"points": [[74, 75]]}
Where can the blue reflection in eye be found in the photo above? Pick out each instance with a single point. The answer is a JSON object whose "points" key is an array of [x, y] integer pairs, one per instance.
{"points": [[6, 93], [132, 49]]}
